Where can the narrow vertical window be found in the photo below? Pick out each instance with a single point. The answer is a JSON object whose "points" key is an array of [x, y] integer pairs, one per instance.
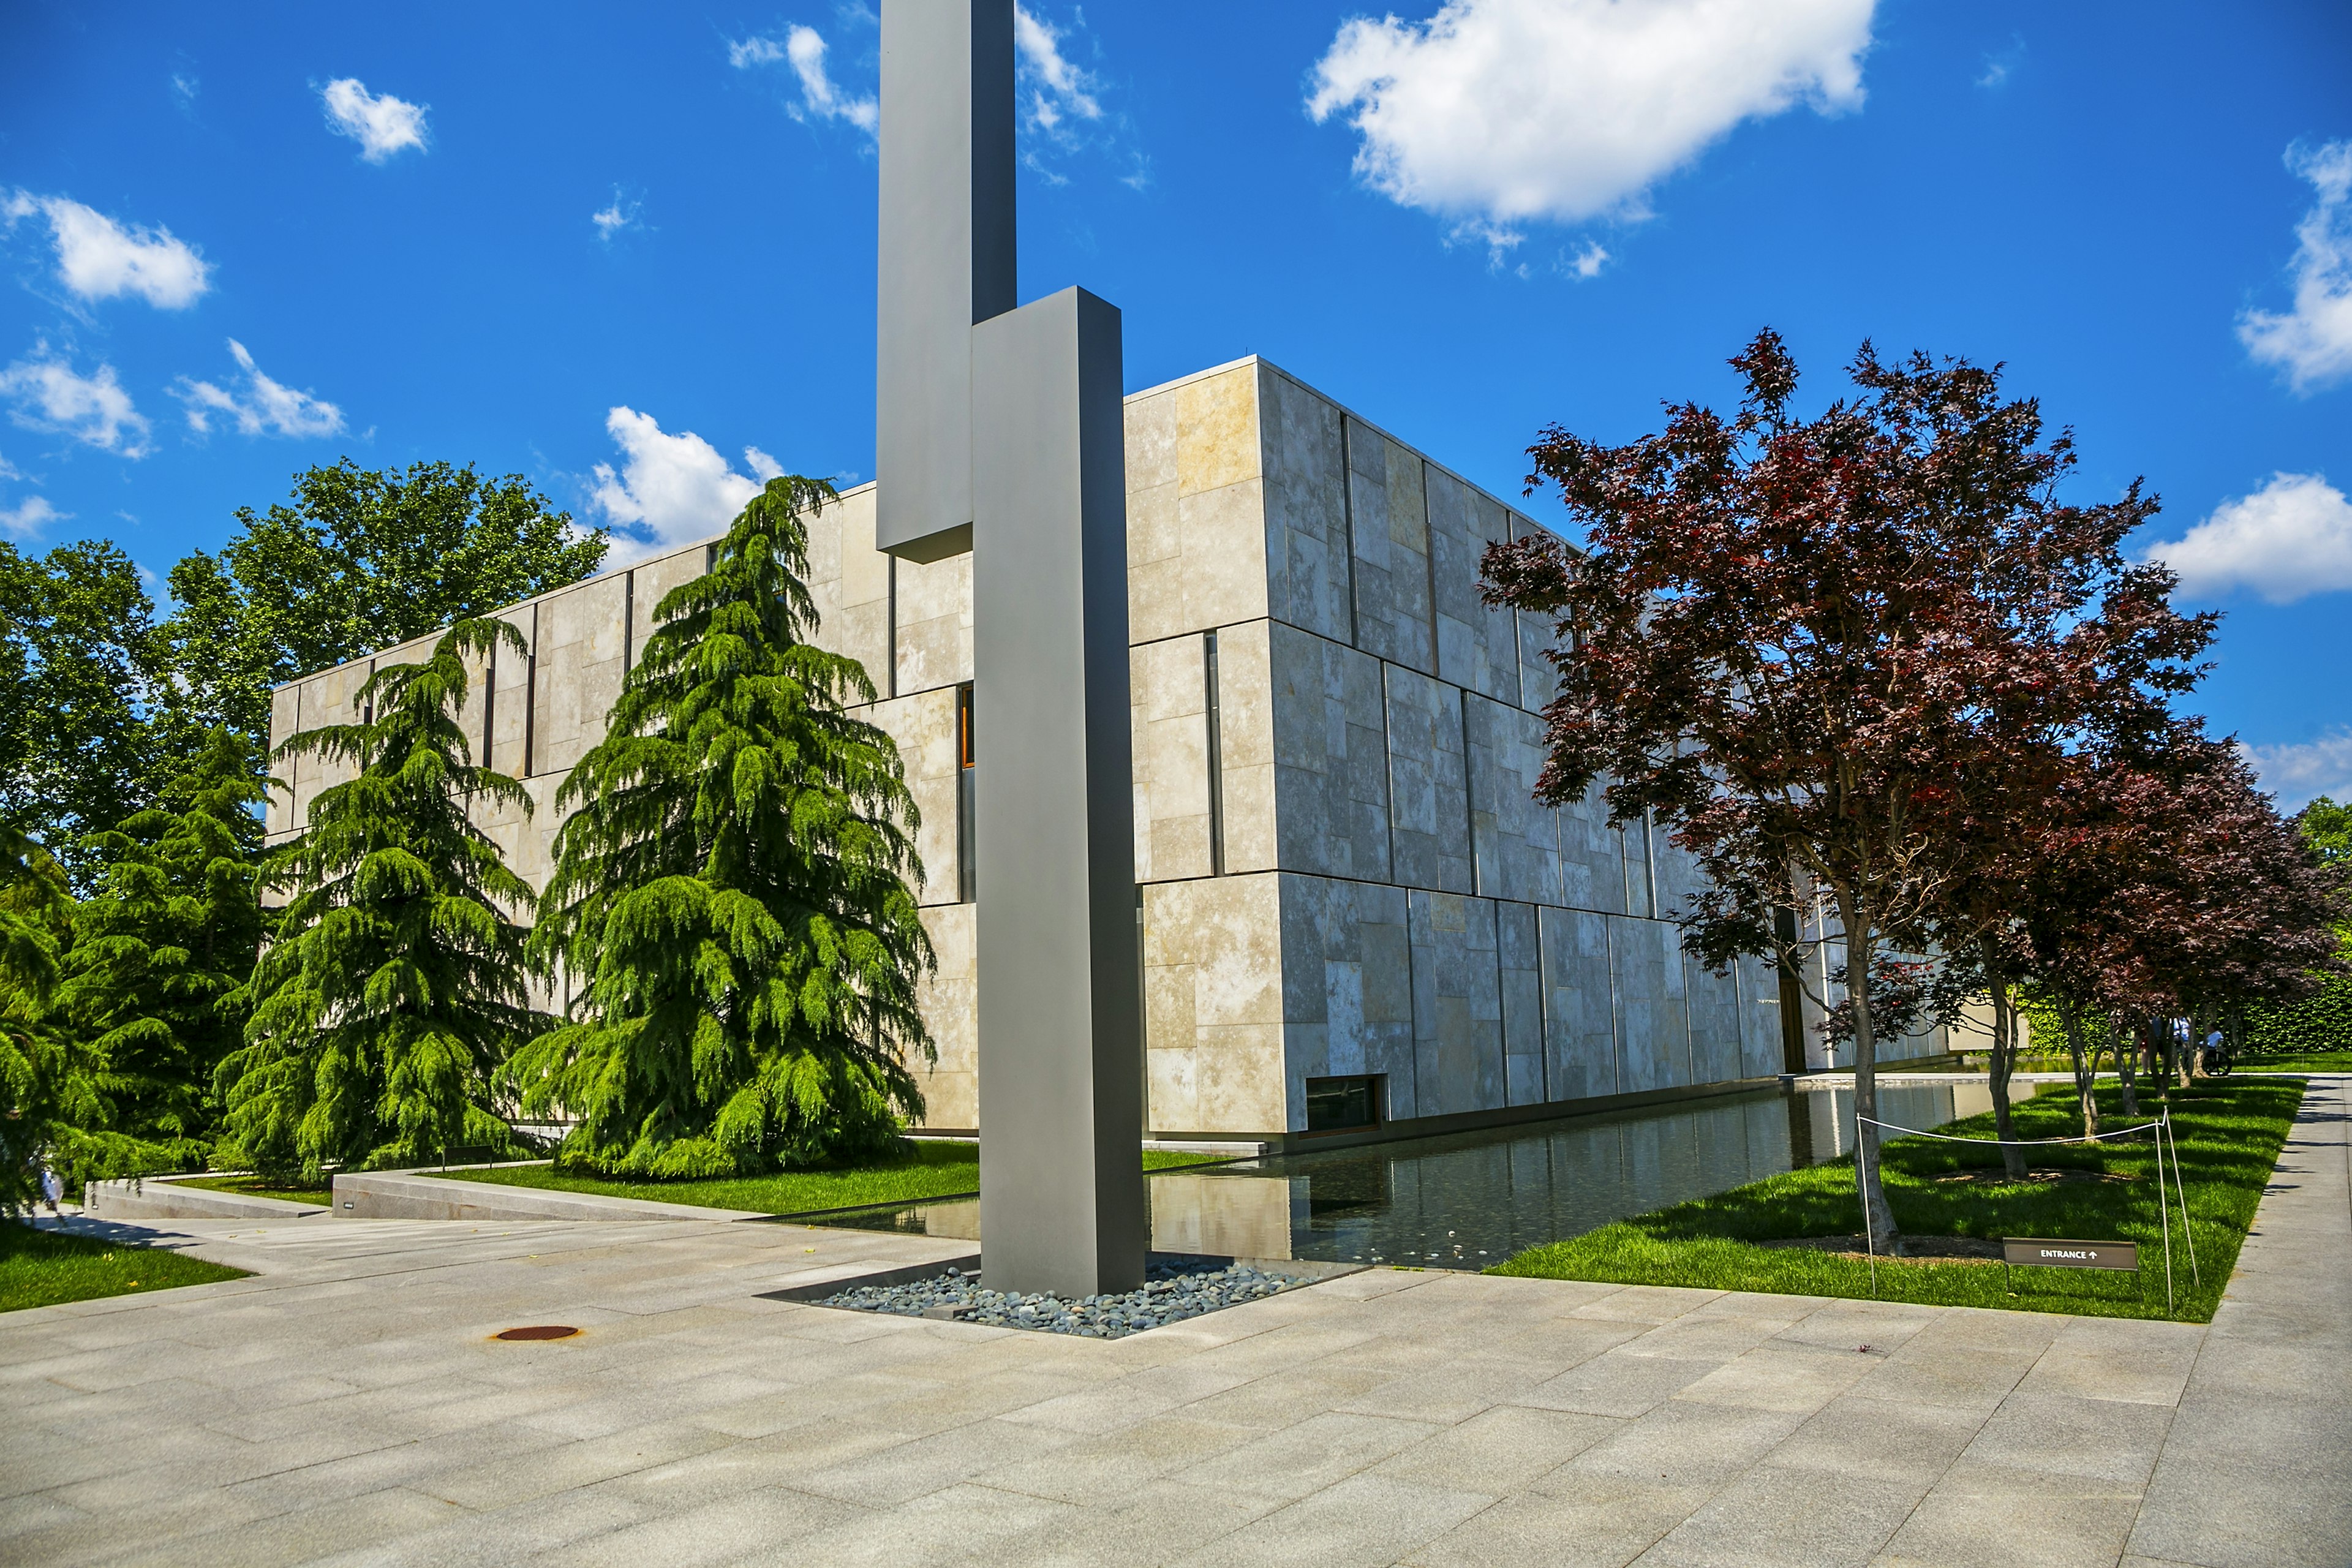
{"points": [[489, 700], [531, 697], [1470, 798], [967, 822], [1216, 757], [1347, 522], [1791, 992], [628, 621]]}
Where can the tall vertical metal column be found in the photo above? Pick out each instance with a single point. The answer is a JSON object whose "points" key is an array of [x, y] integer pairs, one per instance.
{"points": [[947, 257], [1002, 431]]}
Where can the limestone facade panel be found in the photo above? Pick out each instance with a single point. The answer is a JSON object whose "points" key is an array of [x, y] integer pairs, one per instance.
{"points": [[1429, 802], [1514, 837], [1306, 549], [950, 1003], [924, 727], [1519, 959], [1389, 531], [1579, 1001], [1213, 1005], [1246, 746], [1330, 755], [1457, 1004], [1347, 988], [1478, 647], [1169, 701]]}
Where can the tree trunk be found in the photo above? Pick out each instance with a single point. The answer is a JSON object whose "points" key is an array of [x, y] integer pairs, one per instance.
{"points": [[2004, 1061], [2128, 1053], [2086, 1067], [1878, 1214], [2181, 1064]]}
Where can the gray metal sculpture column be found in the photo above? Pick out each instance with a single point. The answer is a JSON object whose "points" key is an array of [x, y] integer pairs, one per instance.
{"points": [[1000, 431]]}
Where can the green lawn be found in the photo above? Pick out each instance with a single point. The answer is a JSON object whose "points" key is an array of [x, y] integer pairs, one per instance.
{"points": [[935, 1171], [256, 1187], [2306, 1061], [2229, 1135], [42, 1267]]}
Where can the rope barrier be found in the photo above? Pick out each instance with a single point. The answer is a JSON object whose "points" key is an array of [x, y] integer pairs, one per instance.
{"points": [[2005, 1142], [2165, 1139]]}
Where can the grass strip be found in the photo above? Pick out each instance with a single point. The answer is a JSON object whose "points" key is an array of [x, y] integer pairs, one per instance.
{"points": [[256, 1187], [936, 1170], [2229, 1135], [43, 1267], [2301, 1061]]}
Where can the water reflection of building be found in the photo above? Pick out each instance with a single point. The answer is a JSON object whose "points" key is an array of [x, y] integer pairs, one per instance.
{"points": [[1350, 909]]}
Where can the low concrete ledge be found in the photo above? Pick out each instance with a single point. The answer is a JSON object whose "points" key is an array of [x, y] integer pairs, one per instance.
{"points": [[153, 1197], [414, 1195]]}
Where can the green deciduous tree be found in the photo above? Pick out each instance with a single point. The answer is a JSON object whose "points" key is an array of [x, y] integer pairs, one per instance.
{"points": [[2323, 1021], [731, 894], [159, 950], [397, 981], [357, 560], [79, 660]]}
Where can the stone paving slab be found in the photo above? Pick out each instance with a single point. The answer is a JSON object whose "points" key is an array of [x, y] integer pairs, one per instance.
{"points": [[346, 1404]]}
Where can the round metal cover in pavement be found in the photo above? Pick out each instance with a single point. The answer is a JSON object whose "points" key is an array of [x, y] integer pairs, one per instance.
{"points": [[542, 1331]]}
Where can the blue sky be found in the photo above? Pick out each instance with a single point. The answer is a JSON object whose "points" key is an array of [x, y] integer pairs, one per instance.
{"points": [[239, 242]]}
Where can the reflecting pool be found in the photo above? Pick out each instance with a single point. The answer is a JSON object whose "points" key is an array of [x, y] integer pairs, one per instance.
{"points": [[1471, 1199]]}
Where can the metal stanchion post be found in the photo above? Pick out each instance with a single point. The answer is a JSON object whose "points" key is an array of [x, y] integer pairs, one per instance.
{"points": [[2188, 1236], [2164, 1218]]}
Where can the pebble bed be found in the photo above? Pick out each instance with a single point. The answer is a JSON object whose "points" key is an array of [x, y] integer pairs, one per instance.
{"points": [[1170, 1293]]}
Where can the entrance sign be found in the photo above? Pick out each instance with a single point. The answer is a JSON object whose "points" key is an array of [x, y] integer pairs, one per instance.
{"points": [[2121, 1255], [1000, 431]]}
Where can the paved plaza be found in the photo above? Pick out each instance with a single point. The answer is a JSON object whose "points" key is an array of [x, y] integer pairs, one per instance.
{"points": [[347, 1403]]}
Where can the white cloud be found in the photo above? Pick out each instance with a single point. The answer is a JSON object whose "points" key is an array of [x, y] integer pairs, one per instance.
{"points": [[1588, 261], [754, 51], [670, 489], [1495, 113], [98, 259], [380, 123], [617, 218], [2287, 540], [2312, 343], [44, 393], [2296, 772], [184, 88], [1056, 88], [29, 517], [820, 99], [260, 407]]}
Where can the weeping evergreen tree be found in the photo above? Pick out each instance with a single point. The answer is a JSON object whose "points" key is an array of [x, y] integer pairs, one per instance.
{"points": [[397, 980], [170, 937], [42, 1094], [730, 891]]}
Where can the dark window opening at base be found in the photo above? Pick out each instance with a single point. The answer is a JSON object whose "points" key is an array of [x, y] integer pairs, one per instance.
{"points": [[1346, 1104]]}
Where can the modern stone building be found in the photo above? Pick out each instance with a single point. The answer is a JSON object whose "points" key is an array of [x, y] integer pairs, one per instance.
{"points": [[1352, 914]]}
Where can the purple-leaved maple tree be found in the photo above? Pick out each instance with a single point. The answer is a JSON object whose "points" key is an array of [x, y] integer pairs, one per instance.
{"points": [[1835, 654]]}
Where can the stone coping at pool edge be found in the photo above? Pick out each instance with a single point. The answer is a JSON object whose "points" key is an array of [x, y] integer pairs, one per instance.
{"points": [[427, 1195], [166, 1197]]}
